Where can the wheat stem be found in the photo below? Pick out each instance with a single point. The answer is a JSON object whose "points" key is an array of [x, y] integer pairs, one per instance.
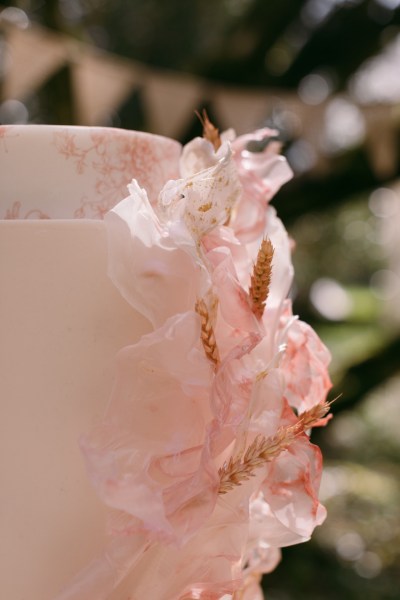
{"points": [[310, 418], [210, 132]]}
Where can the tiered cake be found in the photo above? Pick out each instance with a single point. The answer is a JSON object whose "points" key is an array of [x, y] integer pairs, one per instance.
{"points": [[163, 339], [61, 323]]}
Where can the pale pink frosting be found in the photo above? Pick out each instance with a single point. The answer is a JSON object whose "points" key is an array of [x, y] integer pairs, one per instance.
{"points": [[173, 418]]}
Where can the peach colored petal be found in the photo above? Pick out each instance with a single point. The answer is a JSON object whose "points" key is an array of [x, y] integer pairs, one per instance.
{"points": [[159, 408], [208, 566], [235, 319], [232, 386], [146, 262], [305, 364], [252, 591], [267, 170], [205, 199], [245, 255], [100, 578], [198, 155], [267, 403], [261, 174], [292, 510]]}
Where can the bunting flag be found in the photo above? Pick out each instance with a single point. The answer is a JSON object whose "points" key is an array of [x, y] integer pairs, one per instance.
{"points": [[306, 123], [32, 56], [171, 101], [242, 110], [100, 84]]}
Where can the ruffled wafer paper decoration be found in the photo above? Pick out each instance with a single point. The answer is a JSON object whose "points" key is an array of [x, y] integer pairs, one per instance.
{"points": [[203, 456]]}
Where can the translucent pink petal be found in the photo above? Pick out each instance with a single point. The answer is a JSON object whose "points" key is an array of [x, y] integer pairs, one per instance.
{"points": [[197, 155], [245, 255], [267, 404], [209, 566], [292, 510], [159, 409], [261, 174], [232, 386], [100, 578], [235, 319], [205, 199], [146, 263], [305, 364], [252, 591]]}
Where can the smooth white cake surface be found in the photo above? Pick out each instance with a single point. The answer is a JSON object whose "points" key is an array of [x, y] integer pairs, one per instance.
{"points": [[62, 322]]}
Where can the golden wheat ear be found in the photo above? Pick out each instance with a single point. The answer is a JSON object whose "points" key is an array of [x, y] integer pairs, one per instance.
{"points": [[210, 132], [264, 449], [261, 278], [261, 451], [207, 333]]}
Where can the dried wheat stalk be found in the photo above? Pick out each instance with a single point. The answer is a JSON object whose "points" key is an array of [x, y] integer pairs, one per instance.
{"points": [[210, 132], [310, 418], [263, 450], [261, 278], [207, 333]]}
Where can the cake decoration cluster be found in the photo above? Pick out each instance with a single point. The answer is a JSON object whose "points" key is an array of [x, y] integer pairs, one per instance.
{"points": [[203, 457]]}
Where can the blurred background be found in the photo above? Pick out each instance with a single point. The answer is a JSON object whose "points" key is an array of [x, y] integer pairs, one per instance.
{"points": [[326, 74]]}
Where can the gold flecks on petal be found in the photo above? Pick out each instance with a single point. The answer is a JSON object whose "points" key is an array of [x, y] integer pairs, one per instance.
{"points": [[262, 450], [261, 278], [210, 132], [207, 333]]}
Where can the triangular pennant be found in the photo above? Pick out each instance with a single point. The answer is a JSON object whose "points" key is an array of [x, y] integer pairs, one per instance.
{"points": [[193, 127], [305, 124], [34, 55], [170, 101], [132, 111], [244, 111], [101, 83]]}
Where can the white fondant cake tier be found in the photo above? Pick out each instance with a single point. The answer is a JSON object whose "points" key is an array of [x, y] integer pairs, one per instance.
{"points": [[61, 323]]}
